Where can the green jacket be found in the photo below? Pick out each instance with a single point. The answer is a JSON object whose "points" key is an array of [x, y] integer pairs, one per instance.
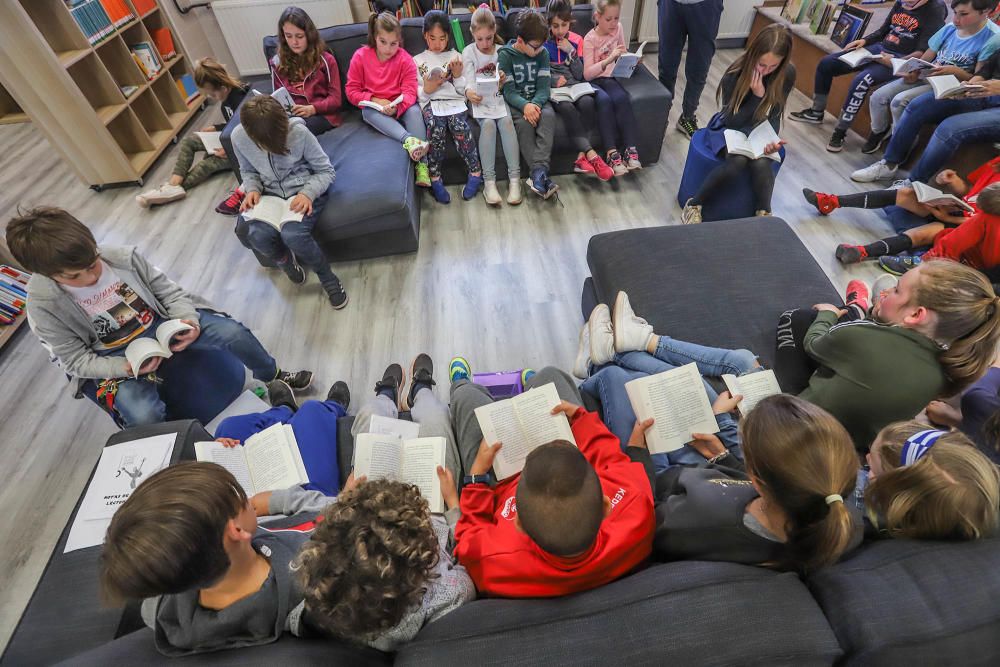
{"points": [[528, 79], [871, 374]]}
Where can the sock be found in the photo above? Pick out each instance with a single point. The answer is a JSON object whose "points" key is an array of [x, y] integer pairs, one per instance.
{"points": [[417, 386], [388, 392], [819, 102], [872, 199], [889, 246]]}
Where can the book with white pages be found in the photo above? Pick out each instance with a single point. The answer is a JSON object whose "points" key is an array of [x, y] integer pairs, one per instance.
{"points": [[901, 66], [522, 424], [266, 461], [677, 402], [413, 461], [571, 93], [927, 194], [212, 141], [947, 86], [285, 99], [389, 426], [275, 211], [443, 108], [627, 62], [753, 145], [141, 350], [858, 57], [378, 107], [493, 104], [754, 387]]}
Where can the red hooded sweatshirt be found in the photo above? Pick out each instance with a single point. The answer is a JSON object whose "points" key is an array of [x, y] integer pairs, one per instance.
{"points": [[505, 562], [320, 88], [976, 241]]}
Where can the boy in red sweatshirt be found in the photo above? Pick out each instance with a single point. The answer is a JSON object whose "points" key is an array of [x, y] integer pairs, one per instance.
{"points": [[575, 518]]}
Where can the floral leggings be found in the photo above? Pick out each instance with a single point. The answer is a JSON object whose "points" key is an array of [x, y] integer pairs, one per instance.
{"points": [[461, 132]]}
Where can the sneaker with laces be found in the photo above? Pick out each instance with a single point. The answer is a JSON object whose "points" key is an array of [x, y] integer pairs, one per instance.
{"points": [[231, 205], [459, 369], [850, 254], [809, 115], [280, 394], [298, 380], [537, 182], [875, 141], [417, 148], [491, 194], [857, 296], [901, 183], [421, 376], [687, 125], [581, 365], [292, 269], [824, 203], [632, 159], [897, 265], [550, 187], [391, 382], [335, 292], [631, 331], [614, 160], [340, 394], [691, 215], [601, 334], [601, 168], [421, 175], [879, 171], [164, 194], [583, 166], [836, 143]]}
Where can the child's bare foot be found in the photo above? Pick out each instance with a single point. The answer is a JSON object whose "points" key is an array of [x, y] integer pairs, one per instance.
{"points": [[941, 413]]}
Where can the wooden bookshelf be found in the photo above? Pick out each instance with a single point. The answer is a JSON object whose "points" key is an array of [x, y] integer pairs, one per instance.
{"points": [[75, 91]]}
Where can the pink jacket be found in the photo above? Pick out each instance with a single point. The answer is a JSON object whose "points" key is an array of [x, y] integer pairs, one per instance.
{"points": [[321, 87], [368, 78]]}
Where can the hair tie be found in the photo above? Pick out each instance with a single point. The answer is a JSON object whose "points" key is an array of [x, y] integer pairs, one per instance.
{"points": [[917, 445], [834, 498], [483, 5]]}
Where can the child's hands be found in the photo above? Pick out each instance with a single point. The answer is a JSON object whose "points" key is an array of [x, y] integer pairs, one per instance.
{"points": [[261, 503], [565, 46], [947, 177], [954, 70], [456, 67], [503, 78], [757, 83], [228, 442], [990, 87], [251, 199], [473, 97], [567, 408], [774, 147], [638, 437], [219, 152], [303, 110], [821, 307], [911, 77], [945, 214], [856, 44], [150, 366], [353, 482], [432, 83], [484, 459], [183, 340], [532, 113], [449, 492], [707, 444], [301, 204], [389, 110], [560, 82], [726, 402]]}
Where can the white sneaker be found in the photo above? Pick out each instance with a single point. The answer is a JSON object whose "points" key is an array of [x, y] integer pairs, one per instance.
{"points": [[900, 184], [691, 215], [880, 171], [491, 194], [514, 195], [164, 194], [581, 365], [631, 332], [602, 338]]}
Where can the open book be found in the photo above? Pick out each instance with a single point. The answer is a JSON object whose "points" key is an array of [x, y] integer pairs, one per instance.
{"points": [[389, 426], [267, 461], [275, 211], [413, 461], [379, 107], [754, 387], [211, 140], [948, 85], [522, 424], [901, 66], [627, 62], [753, 146], [930, 195], [142, 350], [493, 105], [120, 470], [858, 57], [285, 98], [571, 93], [677, 402]]}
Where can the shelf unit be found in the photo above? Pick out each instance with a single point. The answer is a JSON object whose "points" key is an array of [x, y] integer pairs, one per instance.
{"points": [[75, 91]]}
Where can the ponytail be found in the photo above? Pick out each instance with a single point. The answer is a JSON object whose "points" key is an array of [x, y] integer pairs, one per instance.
{"points": [[383, 22], [804, 461], [209, 72], [483, 18]]}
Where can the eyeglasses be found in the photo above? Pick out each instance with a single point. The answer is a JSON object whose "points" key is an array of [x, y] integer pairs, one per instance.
{"points": [[534, 47]]}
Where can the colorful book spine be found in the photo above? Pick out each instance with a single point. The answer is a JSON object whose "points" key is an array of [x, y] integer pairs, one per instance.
{"points": [[13, 293], [186, 85]]}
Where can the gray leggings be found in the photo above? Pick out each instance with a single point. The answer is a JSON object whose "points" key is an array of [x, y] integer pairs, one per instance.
{"points": [[412, 123], [488, 128]]}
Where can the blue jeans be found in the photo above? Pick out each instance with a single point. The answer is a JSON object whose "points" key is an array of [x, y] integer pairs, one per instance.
{"points": [[965, 128], [315, 427], [926, 109], [294, 237]]}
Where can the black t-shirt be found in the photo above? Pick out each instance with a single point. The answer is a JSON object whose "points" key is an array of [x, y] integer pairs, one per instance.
{"points": [[991, 68], [905, 31]]}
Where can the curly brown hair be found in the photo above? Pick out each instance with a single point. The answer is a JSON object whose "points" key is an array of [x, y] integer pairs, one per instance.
{"points": [[369, 560]]}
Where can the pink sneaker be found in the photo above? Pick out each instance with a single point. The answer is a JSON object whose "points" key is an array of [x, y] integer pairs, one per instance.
{"points": [[582, 166], [601, 168]]}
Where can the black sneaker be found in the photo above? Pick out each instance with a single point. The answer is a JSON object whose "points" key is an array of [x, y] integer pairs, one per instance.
{"points": [[687, 125], [875, 141], [298, 380], [336, 293], [292, 269], [421, 374], [339, 393], [392, 379], [279, 393], [809, 115], [837, 141]]}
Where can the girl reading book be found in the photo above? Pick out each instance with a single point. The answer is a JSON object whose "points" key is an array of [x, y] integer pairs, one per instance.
{"points": [[753, 90], [385, 77], [309, 73]]}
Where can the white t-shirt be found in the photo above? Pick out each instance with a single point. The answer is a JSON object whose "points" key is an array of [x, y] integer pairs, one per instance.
{"points": [[118, 314]]}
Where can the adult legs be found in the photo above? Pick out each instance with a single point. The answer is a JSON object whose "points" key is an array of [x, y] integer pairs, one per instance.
{"points": [[672, 34], [702, 21], [228, 334]]}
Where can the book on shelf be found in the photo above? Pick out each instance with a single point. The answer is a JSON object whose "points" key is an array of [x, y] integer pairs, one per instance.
{"points": [[413, 461], [144, 6], [790, 10], [753, 145], [808, 11], [129, 91], [141, 350], [164, 42], [267, 461], [851, 24], [927, 194], [274, 211], [118, 11], [571, 93], [185, 84], [754, 387], [147, 55], [821, 21], [92, 19]]}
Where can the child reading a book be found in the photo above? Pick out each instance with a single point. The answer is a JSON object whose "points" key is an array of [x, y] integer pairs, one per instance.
{"points": [[218, 85], [602, 47], [479, 60], [280, 158], [787, 510], [904, 34], [565, 49], [514, 537], [381, 72], [753, 90], [309, 73], [441, 86], [86, 304]]}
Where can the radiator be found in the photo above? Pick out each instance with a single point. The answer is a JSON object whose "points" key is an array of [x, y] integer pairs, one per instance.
{"points": [[245, 23]]}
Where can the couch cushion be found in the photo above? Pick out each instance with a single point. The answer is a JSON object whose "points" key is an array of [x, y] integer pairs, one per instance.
{"points": [[908, 603], [690, 613], [675, 275]]}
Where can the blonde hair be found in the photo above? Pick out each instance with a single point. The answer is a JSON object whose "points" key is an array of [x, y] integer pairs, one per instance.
{"points": [[209, 72], [383, 22], [483, 18], [968, 318], [601, 5], [951, 492], [800, 455], [776, 39]]}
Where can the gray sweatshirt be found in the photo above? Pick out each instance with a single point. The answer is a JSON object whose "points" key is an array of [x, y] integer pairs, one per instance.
{"points": [[67, 332], [305, 169]]}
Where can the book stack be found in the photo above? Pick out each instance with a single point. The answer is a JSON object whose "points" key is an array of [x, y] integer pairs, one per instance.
{"points": [[144, 6], [118, 11], [13, 293], [92, 18], [185, 84], [145, 57]]}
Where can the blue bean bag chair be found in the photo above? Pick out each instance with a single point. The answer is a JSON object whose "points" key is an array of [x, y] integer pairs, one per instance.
{"points": [[737, 200]]}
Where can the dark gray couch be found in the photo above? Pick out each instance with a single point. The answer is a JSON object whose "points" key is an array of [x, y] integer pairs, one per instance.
{"points": [[373, 207]]}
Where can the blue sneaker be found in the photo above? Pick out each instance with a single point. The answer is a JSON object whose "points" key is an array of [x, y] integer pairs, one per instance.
{"points": [[459, 369], [550, 187], [472, 187], [439, 192], [538, 182], [526, 375], [897, 265]]}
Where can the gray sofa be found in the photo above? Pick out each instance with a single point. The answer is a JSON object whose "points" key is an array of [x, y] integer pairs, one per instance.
{"points": [[373, 207]]}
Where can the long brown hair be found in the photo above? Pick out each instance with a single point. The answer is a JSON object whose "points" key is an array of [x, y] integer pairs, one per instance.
{"points": [[266, 123], [383, 22], [290, 64], [968, 318], [800, 455], [209, 72], [774, 39]]}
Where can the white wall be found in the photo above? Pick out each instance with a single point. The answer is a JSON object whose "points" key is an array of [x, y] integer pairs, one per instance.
{"points": [[199, 32]]}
